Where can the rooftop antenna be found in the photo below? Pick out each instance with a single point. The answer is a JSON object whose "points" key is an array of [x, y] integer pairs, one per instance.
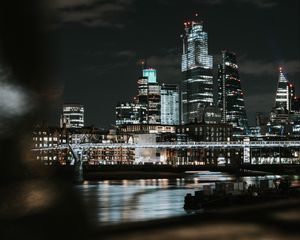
{"points": [[197, 18], [144, 63]]}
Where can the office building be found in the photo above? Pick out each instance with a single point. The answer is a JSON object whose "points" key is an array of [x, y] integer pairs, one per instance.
{"points": [[279, 115], [230, 94], [153, 103], [72, 116], [196, 66], [203, 132], [150, 74], [149, 97], [130, 113], [283, 94], [169, 104]]}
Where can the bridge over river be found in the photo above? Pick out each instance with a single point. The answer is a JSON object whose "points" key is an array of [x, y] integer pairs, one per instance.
{"points": [[180, 145], [78, 149]]}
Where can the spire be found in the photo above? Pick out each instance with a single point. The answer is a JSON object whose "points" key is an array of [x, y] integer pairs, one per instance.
{"points": [[143, 63], [282, 99], [282, 78]]}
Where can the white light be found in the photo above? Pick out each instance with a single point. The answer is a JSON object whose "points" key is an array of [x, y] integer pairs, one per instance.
{"points": [[14, 103]]}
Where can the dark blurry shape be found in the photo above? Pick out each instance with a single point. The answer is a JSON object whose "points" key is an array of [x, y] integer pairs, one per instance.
{"points": [[30, 206]]}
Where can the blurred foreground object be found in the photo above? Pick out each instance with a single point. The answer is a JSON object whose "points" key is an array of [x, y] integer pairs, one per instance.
{"points": [[30, 206]]}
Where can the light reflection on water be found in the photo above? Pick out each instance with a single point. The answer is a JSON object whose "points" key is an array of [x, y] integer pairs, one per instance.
{"points": [[117, 201]]}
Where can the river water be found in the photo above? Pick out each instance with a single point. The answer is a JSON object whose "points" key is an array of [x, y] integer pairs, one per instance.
{"points": [[118, 201]]}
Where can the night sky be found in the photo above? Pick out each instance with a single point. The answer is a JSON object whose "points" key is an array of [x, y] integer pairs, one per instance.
{"points": [[98, 45]]}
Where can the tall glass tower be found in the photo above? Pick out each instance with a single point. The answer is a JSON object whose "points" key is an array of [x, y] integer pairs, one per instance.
{"points": [[169, 102], [283, 112], [196, 66], [149, 97], [230, 94], [283, 93]]}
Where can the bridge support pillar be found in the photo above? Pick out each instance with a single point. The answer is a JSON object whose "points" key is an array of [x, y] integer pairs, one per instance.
{"points": [[78, 172], [78, 167]]}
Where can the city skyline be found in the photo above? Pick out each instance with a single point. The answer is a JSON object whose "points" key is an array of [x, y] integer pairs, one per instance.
{"points": [[100, 70], [93, 140]]}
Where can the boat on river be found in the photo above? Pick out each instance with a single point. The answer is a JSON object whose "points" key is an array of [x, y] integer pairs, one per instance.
{"points": [[228, 194]]}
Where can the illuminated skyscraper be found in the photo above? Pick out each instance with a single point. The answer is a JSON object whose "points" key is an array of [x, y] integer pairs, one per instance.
{"points": [[153, 103], [283, 94], [149, 97], [196, 65], [230, 94], [285, 113], [169, 104]]}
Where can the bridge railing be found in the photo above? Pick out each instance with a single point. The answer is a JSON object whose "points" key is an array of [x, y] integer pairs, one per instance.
{"points": [[190, 144]]}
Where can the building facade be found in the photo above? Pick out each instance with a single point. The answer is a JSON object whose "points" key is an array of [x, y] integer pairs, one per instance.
{"points": [[52, 138], [130, 113], [202, 132], [285, 116], [149, 97], [150, 74], [230, 94], [283, 104], [169, 104], [154, 107], [283, 94], [146, 105], [196, 66], [72, 116]]}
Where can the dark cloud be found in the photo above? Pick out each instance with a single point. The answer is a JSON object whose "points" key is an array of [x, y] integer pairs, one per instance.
{"points": [[168, 67], [258, 103], [260, 67], [92, 13], [257, 3], [262, 3], [126, 54], [60, 4]]}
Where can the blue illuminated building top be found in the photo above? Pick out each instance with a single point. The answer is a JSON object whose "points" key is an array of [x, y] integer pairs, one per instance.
{"points": [[150, 73]]}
